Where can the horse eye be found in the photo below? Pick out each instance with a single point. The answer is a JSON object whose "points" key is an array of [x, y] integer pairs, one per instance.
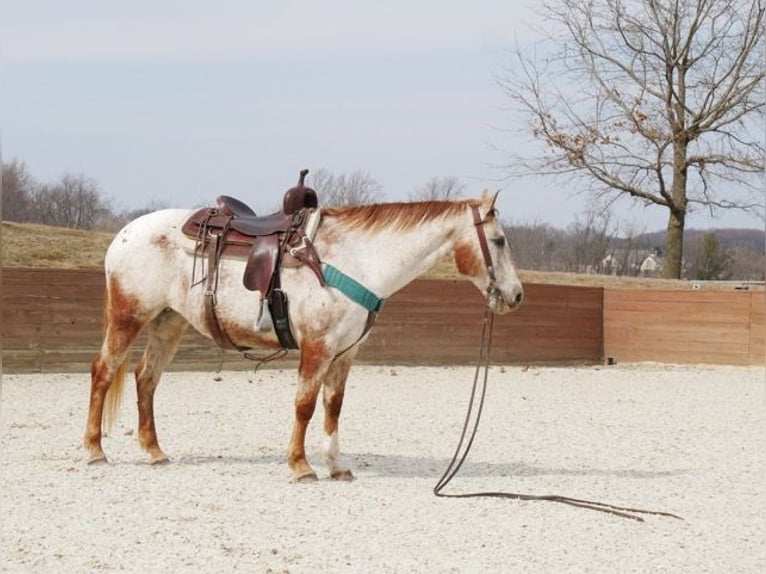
{"points": [[499, 241]]}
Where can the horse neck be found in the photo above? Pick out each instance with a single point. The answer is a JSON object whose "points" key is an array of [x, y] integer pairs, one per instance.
{"points": [[388, 258]]}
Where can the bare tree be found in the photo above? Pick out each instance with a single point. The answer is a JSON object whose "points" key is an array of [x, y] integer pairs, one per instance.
{"points": [[712, 262], [658, 100], [439, 188], [535, 245], [630, 251], [589, 240], [748, 264], [355, 188], [18, 192], [75, 201]]}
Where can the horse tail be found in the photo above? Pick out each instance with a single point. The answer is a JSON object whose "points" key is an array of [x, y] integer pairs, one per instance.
{"points": [[114, 393], [113, 396]]}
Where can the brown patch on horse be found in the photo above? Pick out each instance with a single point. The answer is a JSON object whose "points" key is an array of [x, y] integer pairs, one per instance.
{"points": [[333, 403], [466, 260], [400, 215], [313, 354], [122, 323], [160, 240], [122, 311]]}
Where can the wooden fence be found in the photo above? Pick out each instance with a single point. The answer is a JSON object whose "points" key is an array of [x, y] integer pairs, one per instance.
{"points": [[51, 322], [725, 327], [439, 322]]}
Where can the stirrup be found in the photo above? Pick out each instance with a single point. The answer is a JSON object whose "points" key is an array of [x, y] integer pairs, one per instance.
{"points": [[264, 323]]}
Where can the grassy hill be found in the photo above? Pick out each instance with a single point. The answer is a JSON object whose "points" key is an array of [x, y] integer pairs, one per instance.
{"points": [[28, 245]]}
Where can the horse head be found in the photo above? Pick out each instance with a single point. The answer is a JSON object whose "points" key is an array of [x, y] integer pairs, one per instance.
{"points": [[485, 257]]}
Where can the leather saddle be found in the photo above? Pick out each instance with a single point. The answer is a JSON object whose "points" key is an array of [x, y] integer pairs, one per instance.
{"points": [[233, 228], [269, 242]]}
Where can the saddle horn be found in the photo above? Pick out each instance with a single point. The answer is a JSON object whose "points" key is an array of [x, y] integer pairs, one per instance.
{"points": [[300, 196]]}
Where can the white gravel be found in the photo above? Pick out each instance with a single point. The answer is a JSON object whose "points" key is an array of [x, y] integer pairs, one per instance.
{"points": [[683, 439]]}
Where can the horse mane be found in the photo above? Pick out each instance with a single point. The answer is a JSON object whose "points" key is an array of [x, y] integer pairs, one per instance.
{"points": [[400, 215]]}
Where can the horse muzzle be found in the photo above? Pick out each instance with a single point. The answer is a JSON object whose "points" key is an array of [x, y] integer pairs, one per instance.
{"points": [[499, 302]]}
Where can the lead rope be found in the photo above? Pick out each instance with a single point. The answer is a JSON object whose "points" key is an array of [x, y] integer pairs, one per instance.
{"points": [[458, 459]]}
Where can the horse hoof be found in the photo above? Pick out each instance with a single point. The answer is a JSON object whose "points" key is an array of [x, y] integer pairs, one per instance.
{"points": [[342, 475], [305, 478], [97, 459], [159, 460]]}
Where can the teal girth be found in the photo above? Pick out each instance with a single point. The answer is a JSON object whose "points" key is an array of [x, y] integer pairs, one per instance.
{"points": [[351, 288]]}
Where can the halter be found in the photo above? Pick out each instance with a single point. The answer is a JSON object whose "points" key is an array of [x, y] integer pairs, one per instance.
{"points": [[478, 222]]}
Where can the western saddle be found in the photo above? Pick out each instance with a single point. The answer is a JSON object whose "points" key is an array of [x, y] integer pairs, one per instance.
{"points": [[269, 242]]}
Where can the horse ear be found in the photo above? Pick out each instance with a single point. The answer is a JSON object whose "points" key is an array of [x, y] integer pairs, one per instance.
{"points": [[488, 202]]}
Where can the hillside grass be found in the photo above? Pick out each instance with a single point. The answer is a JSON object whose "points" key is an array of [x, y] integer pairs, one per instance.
{"points": [[30, 245]]}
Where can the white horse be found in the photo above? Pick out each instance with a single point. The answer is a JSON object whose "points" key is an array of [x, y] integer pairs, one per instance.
{"points": [[383, 247]]}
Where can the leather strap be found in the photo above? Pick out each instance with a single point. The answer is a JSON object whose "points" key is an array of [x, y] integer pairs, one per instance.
{"points": [[479, 224], [305, 252], [280, 317], [214, 326], [371, 317]]}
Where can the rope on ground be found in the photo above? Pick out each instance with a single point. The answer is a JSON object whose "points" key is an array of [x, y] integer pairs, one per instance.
{"points": [[466, 441]]}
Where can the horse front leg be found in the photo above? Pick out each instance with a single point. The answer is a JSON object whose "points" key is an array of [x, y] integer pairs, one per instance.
{"points": [[333, 392], [315, 360]]}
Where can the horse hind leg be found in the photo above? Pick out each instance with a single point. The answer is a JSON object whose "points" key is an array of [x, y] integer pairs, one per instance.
{"points": [[121, 326], [164, 335], [333, 392], [107, 375]]}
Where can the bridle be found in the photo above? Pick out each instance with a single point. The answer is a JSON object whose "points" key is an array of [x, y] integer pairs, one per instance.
{"points": [[478, 223]]}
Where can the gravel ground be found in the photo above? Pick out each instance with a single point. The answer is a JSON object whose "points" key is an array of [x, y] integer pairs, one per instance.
{"points": [[682, 439]]}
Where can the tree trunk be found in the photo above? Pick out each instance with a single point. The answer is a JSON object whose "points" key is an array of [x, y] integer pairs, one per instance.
{"points": [[674, 245], [674, 238]]}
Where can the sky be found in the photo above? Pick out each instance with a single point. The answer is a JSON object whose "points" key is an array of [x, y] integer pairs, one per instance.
{"points": [[176, 102]]}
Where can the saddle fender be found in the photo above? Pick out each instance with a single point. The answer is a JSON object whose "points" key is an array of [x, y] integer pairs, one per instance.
{"points": [[261, 263]]}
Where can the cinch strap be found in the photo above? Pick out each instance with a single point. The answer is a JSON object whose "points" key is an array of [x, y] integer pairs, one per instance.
{"points": [[350, 288]]}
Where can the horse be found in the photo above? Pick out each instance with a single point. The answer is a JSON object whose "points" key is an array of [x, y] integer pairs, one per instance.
{"points": [[151, 288]]}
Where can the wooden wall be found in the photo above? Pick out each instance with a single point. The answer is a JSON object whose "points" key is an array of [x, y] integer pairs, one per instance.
{"points": [[51, 321], [440, 321], [725, 327]]}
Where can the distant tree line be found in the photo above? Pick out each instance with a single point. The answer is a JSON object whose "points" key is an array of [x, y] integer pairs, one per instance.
{"points": [[593, 243], [74, 200], [585, 247]]}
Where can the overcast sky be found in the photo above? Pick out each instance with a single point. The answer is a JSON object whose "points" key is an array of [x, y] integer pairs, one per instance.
{"points": [[180, 101]]}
